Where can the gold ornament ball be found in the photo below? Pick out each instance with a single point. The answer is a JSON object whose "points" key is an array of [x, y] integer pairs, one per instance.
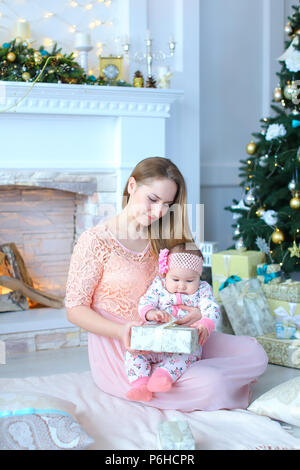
{"points": [[38, 59], [26, 76], [295, 201], [251, 148], [277, 94], [59, 56], [260, 211], [277, 237], [11, 56], [288, 28]]}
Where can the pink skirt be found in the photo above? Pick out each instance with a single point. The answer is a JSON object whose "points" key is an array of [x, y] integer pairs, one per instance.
{"points": [[220, 380]]}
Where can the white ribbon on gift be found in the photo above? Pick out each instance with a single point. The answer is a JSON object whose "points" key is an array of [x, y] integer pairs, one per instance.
{"points": [[158, 335], [283, 315]]}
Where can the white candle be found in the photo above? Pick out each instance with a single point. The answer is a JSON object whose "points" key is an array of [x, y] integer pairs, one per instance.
{"points": [[171, 39], [148, 34], [82, 40], [22, 29]]}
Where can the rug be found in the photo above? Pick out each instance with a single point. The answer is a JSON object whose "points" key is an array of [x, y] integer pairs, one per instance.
{"points": [[117, 424]]}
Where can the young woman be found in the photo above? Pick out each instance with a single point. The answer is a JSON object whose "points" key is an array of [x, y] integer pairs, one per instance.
{"points": [[112, 266]]}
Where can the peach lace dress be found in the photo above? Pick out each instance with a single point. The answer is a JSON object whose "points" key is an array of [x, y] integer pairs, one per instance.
{"points": [[109, 278]]}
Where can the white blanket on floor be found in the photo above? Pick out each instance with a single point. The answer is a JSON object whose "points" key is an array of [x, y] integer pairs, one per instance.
{"points": [[117, 424]]}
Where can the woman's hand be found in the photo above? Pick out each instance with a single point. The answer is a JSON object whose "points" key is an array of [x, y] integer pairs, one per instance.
{"points": [[203, 334], [191, 318], [126, 332], [157, 315], [126, 336]]}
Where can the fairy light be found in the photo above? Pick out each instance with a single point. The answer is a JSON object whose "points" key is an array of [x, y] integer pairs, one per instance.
{"points": [[47, 42], [89, 6], [73, 4], [48, 14], [72, 29]]}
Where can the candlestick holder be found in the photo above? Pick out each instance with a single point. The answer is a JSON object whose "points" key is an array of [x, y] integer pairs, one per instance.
{"points": [[83, 56], [149, 56]]}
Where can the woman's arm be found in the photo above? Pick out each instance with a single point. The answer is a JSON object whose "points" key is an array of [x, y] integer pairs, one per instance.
{"points": [[91, 321]]}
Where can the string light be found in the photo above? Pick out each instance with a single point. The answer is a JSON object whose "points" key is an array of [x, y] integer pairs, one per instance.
{"points": [[88, 7]]}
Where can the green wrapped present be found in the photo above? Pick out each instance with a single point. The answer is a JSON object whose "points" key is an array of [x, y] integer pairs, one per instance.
{"points": [[269, 273], [247, 308], [284, 352], [165, 337], [288, 290], [175, 435], [234, 263]]}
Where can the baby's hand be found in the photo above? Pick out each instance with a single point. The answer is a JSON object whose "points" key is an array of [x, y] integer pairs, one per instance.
{"points": [[157, 315], [203, 334]]}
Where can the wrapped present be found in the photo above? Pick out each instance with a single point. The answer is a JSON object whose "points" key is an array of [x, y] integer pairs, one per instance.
{"points": [[284, 352], [234, 263], [175, 435], [284, 331], [247, 308], [165, 337], [269, 273], [287, 312], [288, 290]]}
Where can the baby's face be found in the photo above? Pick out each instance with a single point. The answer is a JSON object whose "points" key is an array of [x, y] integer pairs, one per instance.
{"points": [[183, 281]]}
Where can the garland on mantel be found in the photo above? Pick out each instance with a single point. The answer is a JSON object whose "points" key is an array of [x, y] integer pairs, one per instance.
{"points": [[19, 61]]}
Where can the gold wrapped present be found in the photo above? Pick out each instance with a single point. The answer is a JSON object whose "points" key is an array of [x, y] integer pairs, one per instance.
{"points": [[284, 352], [287, 312], [165, 337], [247, 308], [233, 262], [288, 290], [269, 273]]}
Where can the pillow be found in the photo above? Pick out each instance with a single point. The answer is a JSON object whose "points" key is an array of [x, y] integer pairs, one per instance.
{"points": [[35, 421], [281, 402]]}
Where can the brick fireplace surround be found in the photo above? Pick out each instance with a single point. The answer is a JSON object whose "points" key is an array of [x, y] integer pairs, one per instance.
{"points": [[48, 200]]}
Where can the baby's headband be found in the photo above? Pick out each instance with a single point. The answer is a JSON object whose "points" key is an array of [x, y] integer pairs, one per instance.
{"points": [[167, 261]]}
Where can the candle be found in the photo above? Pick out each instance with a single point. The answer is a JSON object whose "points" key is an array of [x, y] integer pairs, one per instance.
{"points": [[22, 29], [82, 40], [148, 34]]}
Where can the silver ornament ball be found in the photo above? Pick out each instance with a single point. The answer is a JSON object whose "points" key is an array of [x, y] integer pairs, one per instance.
{"points": [[239, 245]]}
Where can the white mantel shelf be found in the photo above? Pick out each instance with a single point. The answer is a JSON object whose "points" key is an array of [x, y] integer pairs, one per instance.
{"points": [[94, 100]]}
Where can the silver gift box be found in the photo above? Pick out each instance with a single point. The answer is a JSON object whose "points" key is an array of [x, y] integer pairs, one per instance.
{"points": [[165, 338], [175, 435], [247, 308]]}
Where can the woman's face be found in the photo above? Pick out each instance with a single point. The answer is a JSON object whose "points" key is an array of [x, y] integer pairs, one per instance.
{"points": [[151, 201]]}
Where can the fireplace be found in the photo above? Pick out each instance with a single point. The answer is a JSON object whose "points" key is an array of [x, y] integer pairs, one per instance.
{"points": [[67, 154]]}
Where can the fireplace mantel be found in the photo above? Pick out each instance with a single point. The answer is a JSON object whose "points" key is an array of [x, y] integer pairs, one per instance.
{"points": [[53, 98]]}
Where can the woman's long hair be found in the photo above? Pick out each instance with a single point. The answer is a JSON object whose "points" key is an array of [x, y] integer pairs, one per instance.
{"points": [[172, 228]]}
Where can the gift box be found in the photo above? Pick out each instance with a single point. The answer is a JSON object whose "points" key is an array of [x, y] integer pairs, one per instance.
{"points": [[175, 435], [165, 337], [288, 291], [285, 331], [269, 273], [247, 308], [233, 262], [289, 312], [284, 352]]}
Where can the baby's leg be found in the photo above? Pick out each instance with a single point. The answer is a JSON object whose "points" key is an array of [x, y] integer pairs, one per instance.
{"points": [[170, 369], [138, 369]]}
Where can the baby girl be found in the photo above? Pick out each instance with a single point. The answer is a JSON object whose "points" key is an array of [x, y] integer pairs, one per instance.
{"points": [[178, 284]]}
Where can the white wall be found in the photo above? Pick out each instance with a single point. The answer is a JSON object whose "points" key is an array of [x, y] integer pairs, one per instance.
{"points": [[240, 41]]}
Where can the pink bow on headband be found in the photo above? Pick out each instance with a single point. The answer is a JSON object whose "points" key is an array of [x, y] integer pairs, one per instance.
{"points": [[163, 261]]}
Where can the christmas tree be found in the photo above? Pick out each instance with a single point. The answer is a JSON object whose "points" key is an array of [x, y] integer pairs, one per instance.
{"points": [[267, 218]]}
